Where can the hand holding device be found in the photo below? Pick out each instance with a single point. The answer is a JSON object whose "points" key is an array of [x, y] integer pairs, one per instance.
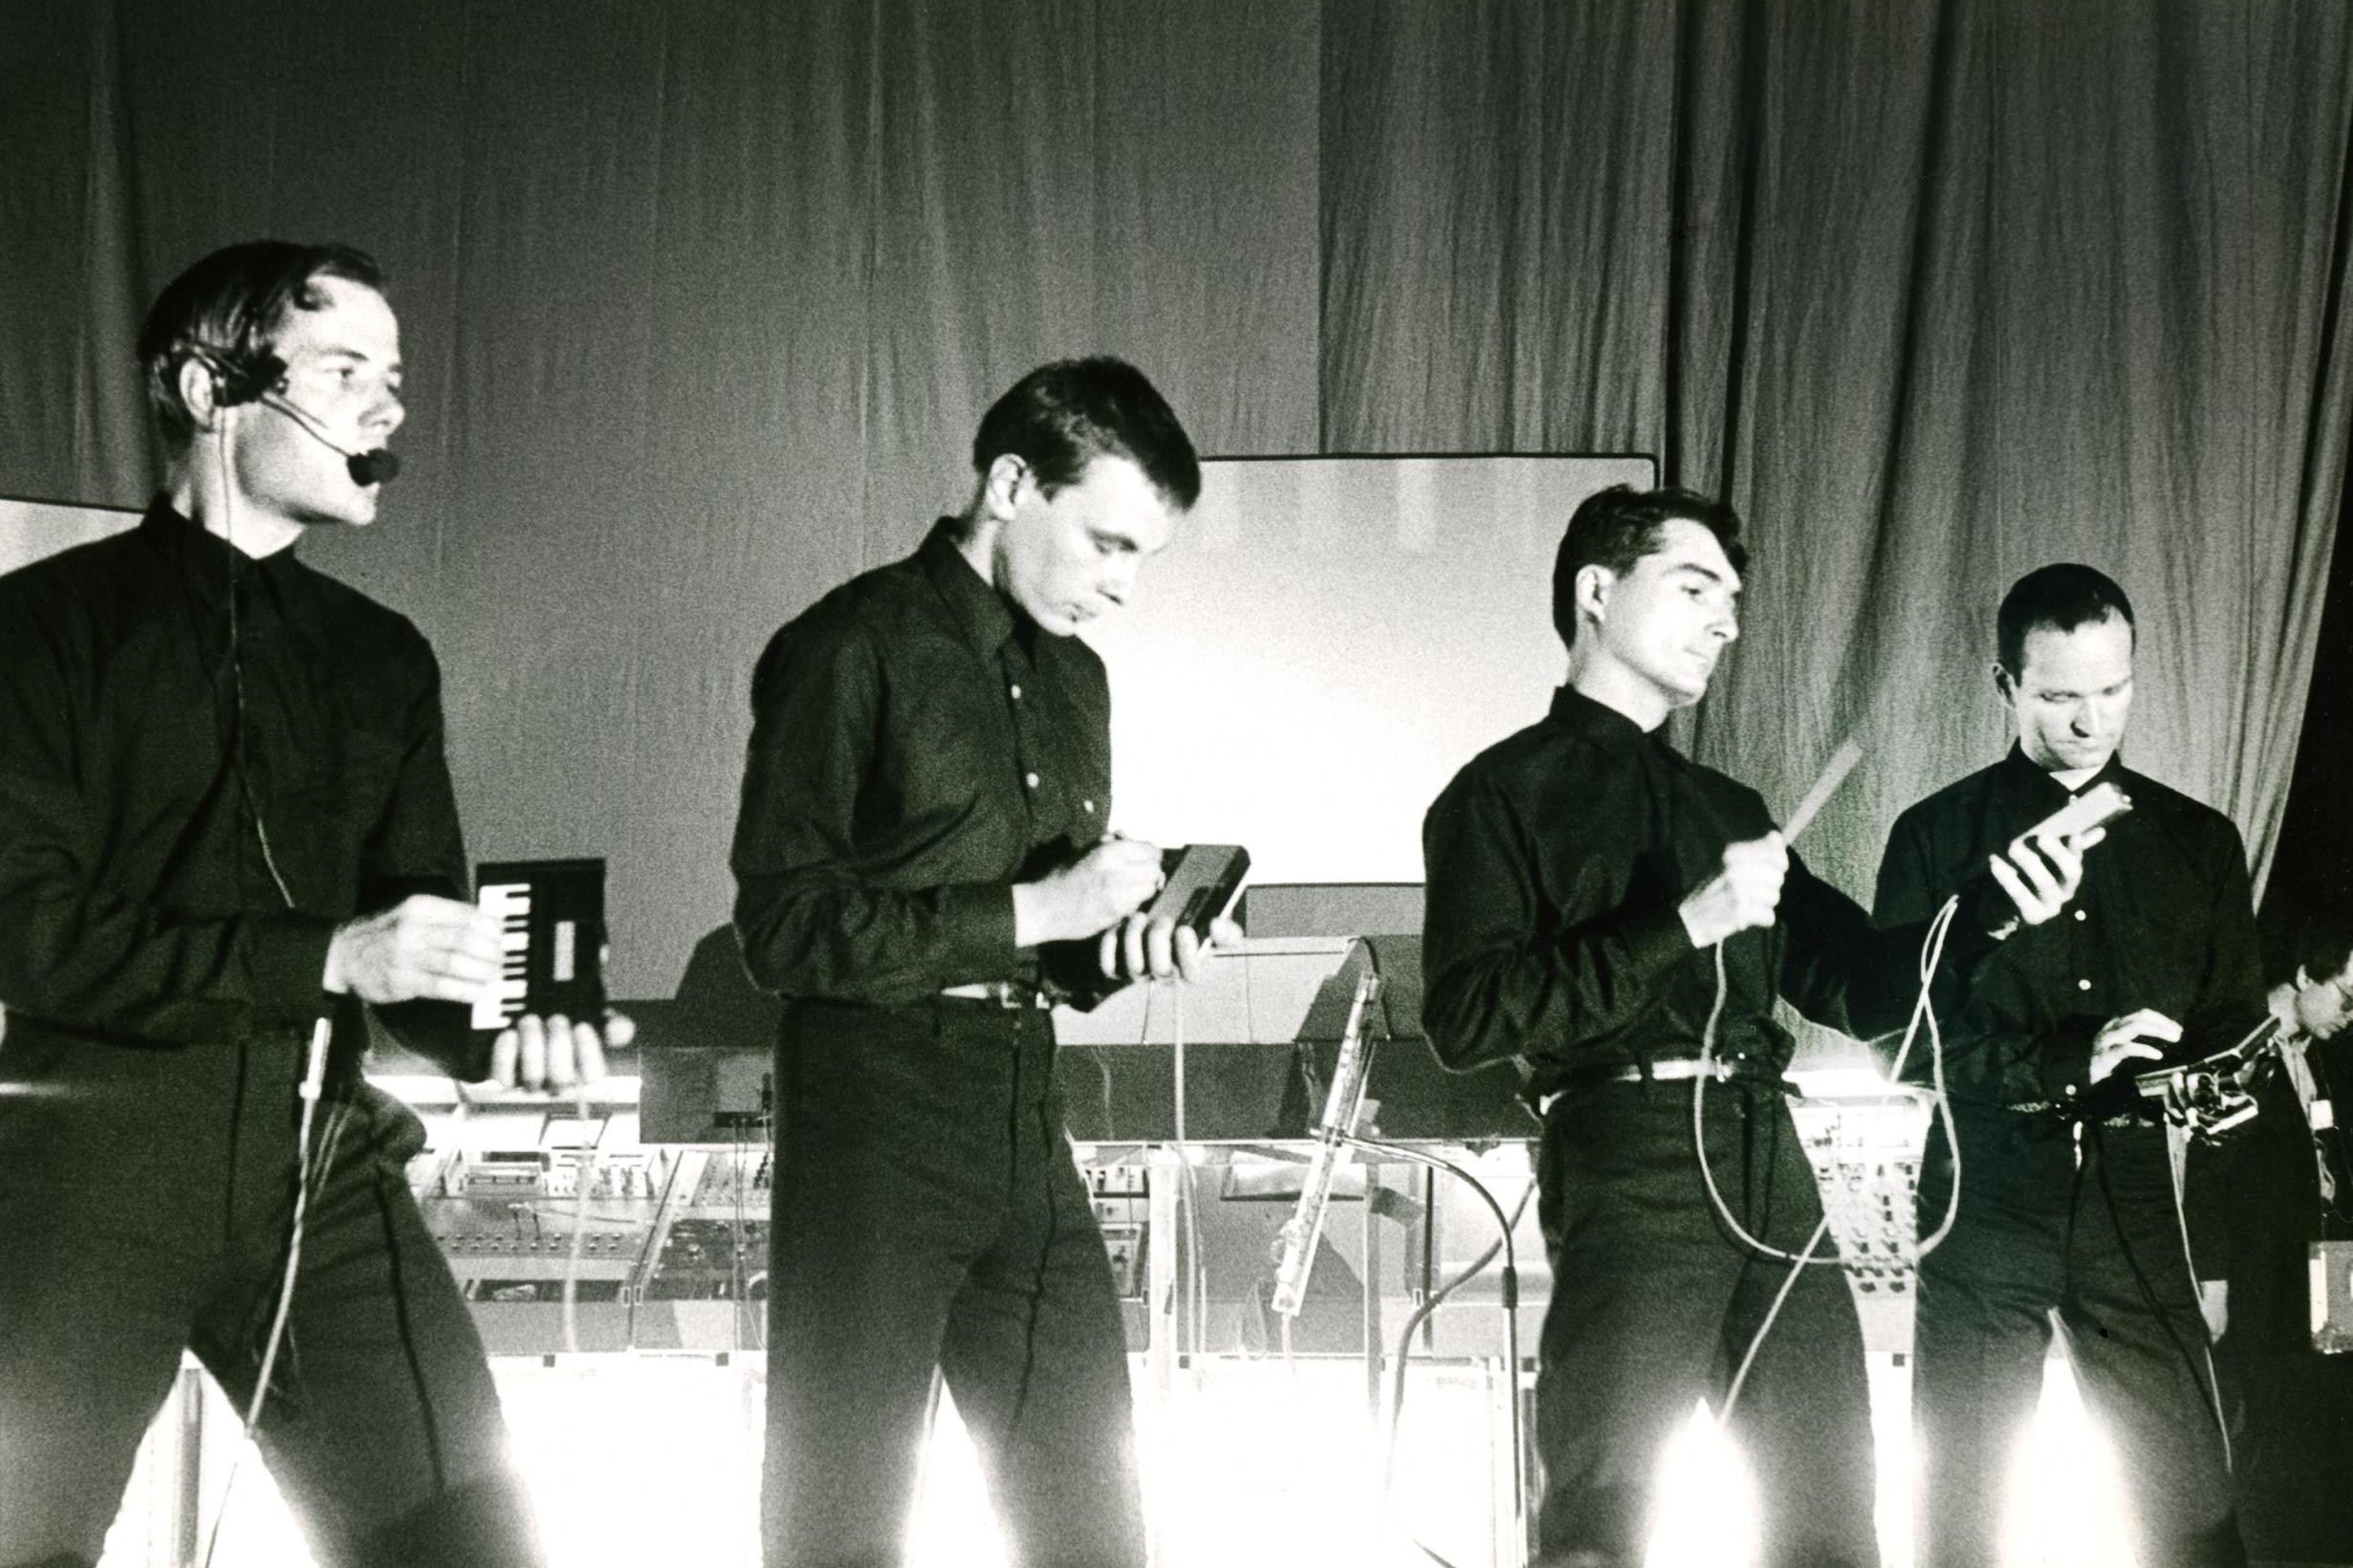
{"points": [[422, 949], [2043, 866], [1090, 895], [2122, 1039], [1745, 893], [1188, 912]]}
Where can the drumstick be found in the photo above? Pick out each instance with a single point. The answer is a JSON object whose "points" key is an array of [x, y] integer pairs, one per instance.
{"points": [[1834, 774]]}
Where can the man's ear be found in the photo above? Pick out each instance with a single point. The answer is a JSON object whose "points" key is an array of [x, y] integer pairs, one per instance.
{"points": [[1592, 593], [199, 383], [2005, 686], [1001, 486]]}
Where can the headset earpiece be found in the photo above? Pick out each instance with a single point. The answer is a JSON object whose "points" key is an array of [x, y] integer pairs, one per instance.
{"points": [[235, 382]]}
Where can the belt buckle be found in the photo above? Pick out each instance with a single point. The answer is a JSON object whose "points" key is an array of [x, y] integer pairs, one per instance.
{"points": [[1009, 995]]}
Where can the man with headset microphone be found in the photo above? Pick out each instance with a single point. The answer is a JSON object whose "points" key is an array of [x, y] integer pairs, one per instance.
{"points": [[225, 817], [1580, 873]]}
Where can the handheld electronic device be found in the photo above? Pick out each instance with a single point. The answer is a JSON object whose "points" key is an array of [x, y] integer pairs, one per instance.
{"points": [[1201, 883], [551, 916], [2096, 806]]}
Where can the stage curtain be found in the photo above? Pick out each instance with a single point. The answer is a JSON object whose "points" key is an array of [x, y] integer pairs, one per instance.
{"points": [[1935, 294], [702, 300]]}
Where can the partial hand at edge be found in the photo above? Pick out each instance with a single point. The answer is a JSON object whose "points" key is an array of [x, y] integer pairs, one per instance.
{"points": [[555, 1053], [1140, 948]]}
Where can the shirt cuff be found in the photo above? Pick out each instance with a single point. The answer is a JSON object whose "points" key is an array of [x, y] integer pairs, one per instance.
{"points": [[1655, 941], [977, 929], [287, 967]]}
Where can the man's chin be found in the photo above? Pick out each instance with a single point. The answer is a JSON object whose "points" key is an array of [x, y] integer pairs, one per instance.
{"points": [[359, 513], [2069, 762], [1683, 691]]}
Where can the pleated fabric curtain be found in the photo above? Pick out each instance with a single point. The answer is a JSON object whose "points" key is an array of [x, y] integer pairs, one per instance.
{"points": [[702, 300]]}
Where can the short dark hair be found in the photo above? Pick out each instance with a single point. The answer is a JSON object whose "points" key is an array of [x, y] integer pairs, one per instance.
{"points": [[1617, 527], [228, 311], [2058, 597], [1062, 416], [2324, 944]]}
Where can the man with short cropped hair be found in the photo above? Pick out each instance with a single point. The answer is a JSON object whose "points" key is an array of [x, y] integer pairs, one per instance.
{"points": [[224, 815], [924, 865], [1600, 906], [2071, 1215]]}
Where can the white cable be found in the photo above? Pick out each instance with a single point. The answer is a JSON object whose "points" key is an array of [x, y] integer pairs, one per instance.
{"points": [[1511, 1329], [1932, 949], [1756, 1342], [1932, 952], [314, 1082], [1699, 1134], [582, 1169]]}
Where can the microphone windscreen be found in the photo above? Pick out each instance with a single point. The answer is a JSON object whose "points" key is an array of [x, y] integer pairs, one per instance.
{"points": [[374, 467]]}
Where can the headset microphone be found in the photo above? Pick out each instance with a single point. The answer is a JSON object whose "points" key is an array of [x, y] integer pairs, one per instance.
{"points": [[368, 468]]}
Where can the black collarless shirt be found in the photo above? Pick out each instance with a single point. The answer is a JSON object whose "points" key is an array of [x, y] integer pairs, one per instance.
{"points": [[1556, 861], [137, 900], [2164, 920], [918, 747]]}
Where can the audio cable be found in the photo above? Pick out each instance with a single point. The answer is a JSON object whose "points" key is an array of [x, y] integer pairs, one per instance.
{"points": [[1510, 1285], [1924, 1011], [314, 1083], [1405, 1351]]}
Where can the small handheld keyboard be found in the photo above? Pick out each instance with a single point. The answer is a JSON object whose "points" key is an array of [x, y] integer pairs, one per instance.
{"points": [[550, 921]]}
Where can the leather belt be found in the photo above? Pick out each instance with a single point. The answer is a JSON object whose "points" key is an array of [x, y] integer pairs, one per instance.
{"points": [[1013, 995], [2043, 1107], [1681, 1070]]}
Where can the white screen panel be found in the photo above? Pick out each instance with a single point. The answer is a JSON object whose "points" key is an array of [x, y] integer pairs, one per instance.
{"points": [[30, 529], [1327, 640]]}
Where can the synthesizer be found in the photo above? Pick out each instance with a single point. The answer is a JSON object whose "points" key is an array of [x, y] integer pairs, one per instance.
{"points": [[550, 924]]}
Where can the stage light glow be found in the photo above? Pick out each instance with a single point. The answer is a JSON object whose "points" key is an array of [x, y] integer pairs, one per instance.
{"points": [[953, 1527], [642, 1458], [2066, 1503], [1705, 1512]]}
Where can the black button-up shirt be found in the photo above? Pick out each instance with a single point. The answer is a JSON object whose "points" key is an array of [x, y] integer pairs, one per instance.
{"points": [[137, 903], [918, 747], [1557, 862], [2164, 920]]}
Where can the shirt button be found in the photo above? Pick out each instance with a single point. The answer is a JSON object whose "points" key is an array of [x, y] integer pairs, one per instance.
{"points": [[1087, 806], [1014, 691], [1031, 779], [2081, 915], [2082, 985]]}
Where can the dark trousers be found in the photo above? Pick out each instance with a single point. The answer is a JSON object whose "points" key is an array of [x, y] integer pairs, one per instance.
{"points": [[2292, 1405], [145, 1198], [1653, 1305], [2100, 1244], [928, 1218]]}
